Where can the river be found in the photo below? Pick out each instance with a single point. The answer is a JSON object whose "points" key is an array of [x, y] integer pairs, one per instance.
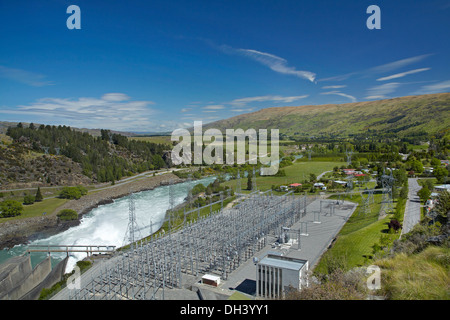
{"points": [[107, 224]]}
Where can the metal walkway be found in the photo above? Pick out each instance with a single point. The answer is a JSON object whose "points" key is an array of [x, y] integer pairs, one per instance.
{"points": [[88, 249]]}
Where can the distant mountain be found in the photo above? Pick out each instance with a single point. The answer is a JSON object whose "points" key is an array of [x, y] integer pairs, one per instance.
{"points": [[403, 117]]}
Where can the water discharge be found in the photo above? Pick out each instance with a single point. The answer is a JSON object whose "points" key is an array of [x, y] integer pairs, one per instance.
{"points": [[107, 224]]}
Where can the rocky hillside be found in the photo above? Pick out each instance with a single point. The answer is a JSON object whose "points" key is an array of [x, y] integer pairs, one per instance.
{"points": [[23, 168]]}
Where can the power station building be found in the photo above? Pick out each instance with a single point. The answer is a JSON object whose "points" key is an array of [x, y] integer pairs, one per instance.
{"points": [[276, 274]]}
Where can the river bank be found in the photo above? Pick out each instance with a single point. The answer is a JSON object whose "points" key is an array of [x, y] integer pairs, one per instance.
{"points": [[21, 231]]}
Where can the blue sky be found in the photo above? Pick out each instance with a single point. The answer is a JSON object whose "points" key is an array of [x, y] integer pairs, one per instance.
{"points": [[159, 65]]}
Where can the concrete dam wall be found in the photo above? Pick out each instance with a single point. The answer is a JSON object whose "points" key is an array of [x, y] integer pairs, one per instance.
{"points": [[19, 281]]}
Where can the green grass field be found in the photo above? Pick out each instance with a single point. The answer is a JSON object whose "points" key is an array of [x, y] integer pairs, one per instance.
{"points": [[38, 208], [296, 173], [356, 238], [154, 139]]}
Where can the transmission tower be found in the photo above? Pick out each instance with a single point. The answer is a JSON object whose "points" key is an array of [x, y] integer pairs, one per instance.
{"points": [[387, 182], [349, 157], [57, 151], [133, 232], [309, 154], [368, 199], [349, 186], [189, 196], [171, 204], [45, 149]]}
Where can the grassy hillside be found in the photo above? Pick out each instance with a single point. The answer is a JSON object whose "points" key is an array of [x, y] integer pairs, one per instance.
{"points": [[404, 116]]}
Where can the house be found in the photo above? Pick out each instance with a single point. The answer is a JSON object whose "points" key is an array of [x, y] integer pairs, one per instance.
{"points": [[442, 188], [295, 185], [348, 171], [318, 185], [428, 170], [342, 183]]}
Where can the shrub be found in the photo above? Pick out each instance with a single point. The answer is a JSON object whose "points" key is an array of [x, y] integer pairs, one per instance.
{"points": [[199, 188], [394, 225], [70, 193], [28, 199], [68, 215], [10, 208]]}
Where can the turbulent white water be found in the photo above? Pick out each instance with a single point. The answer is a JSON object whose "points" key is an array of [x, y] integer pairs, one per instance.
{"points": [[107, 224]]}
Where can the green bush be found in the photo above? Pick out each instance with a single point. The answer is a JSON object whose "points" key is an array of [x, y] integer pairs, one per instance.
{"points": [[70, 193], [28, 199], [68, 215], [10, 208], [199, 188]]}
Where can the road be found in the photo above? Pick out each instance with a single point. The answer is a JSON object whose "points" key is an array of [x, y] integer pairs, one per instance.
{"points": [[412, 208], [104, 186]]}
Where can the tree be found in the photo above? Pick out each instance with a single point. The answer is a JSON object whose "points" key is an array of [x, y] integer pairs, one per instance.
{"points": [[424, 194], [443, 205], [249, 183], [198, 189], [10, 208], [417, 166], [435, 162], [440, 173], [38, 197]]}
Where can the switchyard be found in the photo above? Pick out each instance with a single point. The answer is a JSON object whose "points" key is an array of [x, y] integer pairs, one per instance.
{"points": [[215, 244], [222, 244]]}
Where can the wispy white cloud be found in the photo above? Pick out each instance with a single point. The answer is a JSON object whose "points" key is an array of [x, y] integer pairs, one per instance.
{"points": [[384, 68], [381, 91], [214, 107], [338, 93], [25, 77], [402, 74], [244, 101], [185, 109], [272, 61], [334, 87], [443, 86], [388, 67]]}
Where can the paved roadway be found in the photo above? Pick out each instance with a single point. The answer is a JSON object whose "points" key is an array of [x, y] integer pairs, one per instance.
{"points": [[412, 208]]}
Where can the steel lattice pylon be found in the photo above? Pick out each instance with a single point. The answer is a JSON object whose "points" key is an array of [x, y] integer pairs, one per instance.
{"points": [[387, 182], [133, 231]]}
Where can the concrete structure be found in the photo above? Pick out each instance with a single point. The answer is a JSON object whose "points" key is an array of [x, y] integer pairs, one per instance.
{"points": [[211, 279], [276, 275], [19, 281]]}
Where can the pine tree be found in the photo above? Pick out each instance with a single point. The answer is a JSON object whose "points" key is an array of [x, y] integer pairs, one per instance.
{"points": [[38, 196]]}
